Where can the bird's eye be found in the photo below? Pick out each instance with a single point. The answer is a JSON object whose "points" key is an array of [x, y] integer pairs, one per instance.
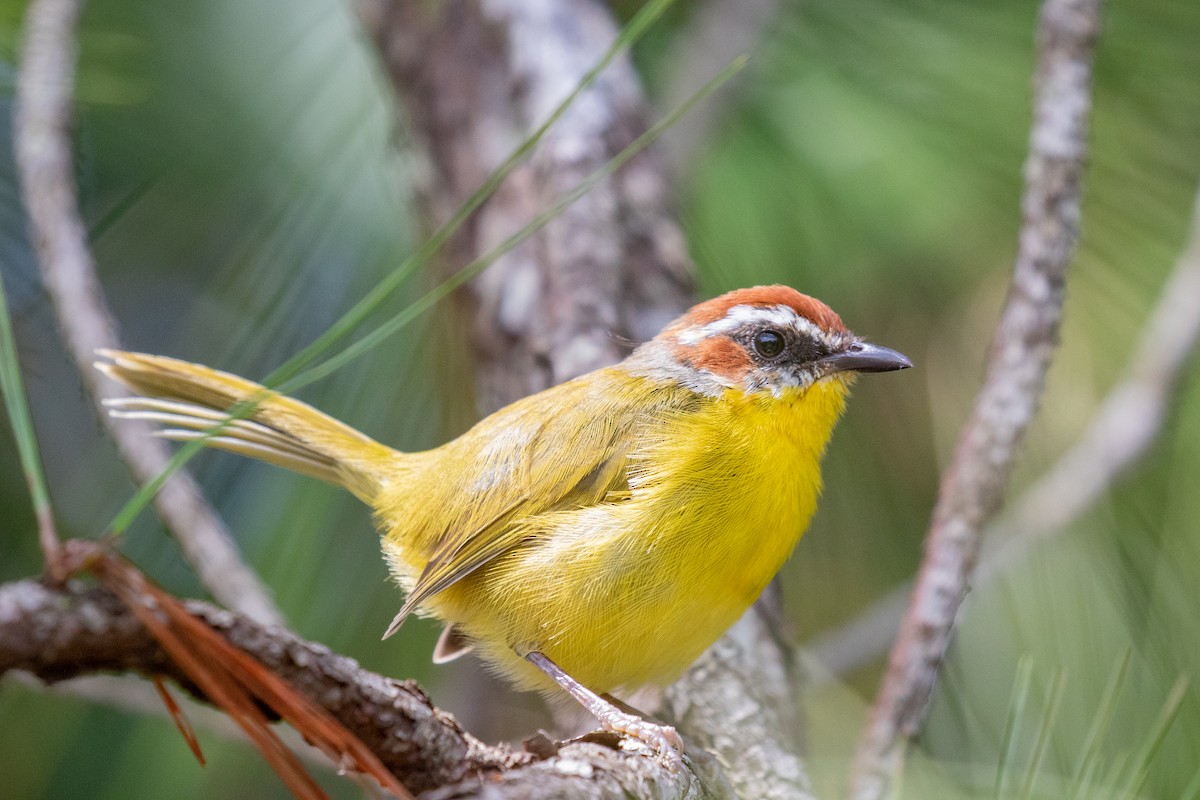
{"points": [[768, 343]]}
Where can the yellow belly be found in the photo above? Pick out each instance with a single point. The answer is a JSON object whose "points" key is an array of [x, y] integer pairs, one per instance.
{"points": [[629, 593]]}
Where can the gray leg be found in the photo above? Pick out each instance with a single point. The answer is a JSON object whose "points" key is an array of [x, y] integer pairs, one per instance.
{"points": [[661, 738]]}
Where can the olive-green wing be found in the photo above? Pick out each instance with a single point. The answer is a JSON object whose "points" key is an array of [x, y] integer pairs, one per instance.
{"points": [[554, 463]]}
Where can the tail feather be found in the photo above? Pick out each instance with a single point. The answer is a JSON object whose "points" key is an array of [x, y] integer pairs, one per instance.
{"points": [[190, 400], [188, 421]]}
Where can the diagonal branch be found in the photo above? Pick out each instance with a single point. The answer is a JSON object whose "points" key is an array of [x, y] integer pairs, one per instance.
{"points": [[973, 487], [44, 111]]}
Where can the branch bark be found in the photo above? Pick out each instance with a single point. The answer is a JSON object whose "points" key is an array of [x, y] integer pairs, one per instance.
{"points": [[56, 634], [44, 112], [973, 487]]}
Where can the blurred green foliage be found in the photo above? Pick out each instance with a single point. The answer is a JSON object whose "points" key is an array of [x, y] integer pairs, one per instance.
{"points": [[245, 182]]}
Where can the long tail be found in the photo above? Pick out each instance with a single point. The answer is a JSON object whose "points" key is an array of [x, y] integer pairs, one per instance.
{"points": [[189, 400]]}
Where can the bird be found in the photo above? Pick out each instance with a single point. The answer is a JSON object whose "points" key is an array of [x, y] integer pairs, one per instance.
{"points": [[595, 537]]}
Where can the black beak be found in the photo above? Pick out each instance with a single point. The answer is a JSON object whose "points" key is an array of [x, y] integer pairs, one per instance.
{"points": [[864, 357]]}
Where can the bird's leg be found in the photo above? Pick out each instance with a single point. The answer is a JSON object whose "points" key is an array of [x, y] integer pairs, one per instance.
{"points": [[663, 739]]}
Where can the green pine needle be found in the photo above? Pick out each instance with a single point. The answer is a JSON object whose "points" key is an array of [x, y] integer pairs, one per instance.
{"points": [[1090, 753], [1012, 726], [13, 389], [1166, 718], [1053, 703]]}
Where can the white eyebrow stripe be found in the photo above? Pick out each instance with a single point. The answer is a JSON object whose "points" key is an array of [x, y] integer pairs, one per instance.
{"points": [[779, 316]]}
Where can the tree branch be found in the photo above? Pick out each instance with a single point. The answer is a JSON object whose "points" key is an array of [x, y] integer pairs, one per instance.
{"points": [[1127, 423], [44, 112], [973, 487], [741, 700], [57, 634]]}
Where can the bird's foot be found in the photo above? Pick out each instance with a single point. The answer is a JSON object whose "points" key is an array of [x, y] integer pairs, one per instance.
{"points": [[662, 739]]}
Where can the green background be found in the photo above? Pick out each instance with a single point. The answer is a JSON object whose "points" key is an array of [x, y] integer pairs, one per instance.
{"points": [[244, 182]]}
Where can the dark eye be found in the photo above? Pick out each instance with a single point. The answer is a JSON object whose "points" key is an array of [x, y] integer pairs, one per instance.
{"points": [[768, 343]]}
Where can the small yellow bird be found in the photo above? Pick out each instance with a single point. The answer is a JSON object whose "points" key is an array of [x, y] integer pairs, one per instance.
{"points": [[596, 536]]}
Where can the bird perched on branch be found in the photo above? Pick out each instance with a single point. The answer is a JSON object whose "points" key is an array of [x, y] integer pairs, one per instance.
{"points": [[599, 535]]}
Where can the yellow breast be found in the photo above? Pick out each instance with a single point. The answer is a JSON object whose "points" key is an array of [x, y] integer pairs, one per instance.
{"points": [[628, 593]]}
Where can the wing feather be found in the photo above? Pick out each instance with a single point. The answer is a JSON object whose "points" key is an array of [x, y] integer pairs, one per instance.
{"points": [[527, 463]]}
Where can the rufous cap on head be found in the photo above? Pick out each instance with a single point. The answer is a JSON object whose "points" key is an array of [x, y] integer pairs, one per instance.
{"points": [[810, 308]]}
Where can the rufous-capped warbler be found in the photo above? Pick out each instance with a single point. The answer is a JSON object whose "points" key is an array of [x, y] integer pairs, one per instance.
{"points": [[596, 536]]}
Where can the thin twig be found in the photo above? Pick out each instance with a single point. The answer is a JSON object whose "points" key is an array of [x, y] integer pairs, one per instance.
{"points": [[44, 112], [1026, 336], [1121, 432], [1127, 424]]}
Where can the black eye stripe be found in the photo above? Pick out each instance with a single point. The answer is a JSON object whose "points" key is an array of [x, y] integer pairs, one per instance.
{"points": [[773, 344]]}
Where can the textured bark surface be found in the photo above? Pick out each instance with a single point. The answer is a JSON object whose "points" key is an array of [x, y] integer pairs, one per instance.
{"points": [[56, 634], [740, 700]]}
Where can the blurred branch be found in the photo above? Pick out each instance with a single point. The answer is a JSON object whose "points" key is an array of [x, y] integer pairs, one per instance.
{"points": [[44, 111], [474, 78], [864, 638], [1126, 426], [973, 487], [57, 634]]}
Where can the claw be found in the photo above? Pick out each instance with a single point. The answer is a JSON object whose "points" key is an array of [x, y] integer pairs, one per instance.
{"points": [[662, 739]]}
